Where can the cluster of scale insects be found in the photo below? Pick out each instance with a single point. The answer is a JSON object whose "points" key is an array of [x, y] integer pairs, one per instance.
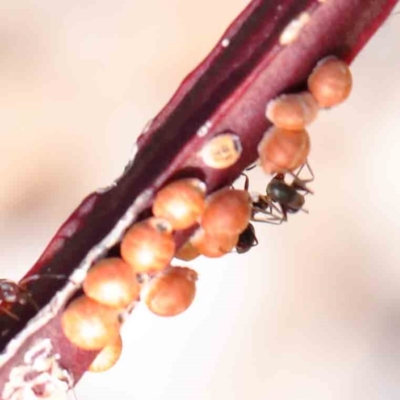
{"points": [[225, 219], [281, 198]]}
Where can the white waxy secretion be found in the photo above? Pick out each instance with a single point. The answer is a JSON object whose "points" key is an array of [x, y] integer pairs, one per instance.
{"points": [[204, 129], [39, 377], [293, 29], [225, 42]]}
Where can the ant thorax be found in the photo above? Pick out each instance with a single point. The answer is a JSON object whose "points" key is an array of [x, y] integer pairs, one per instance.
{"points": [[284, 194]]}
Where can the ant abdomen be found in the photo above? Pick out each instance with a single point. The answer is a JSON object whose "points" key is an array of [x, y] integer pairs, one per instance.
{"points": [[247, 240]]}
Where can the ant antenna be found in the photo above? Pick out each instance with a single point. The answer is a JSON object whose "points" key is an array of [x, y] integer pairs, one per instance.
{"points": [[251, 167], [30, 278], [9, 313], [72, 390], [22, 284]]}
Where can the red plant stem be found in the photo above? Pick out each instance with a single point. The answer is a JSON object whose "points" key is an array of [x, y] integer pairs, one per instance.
{"points": [[228, 91]]}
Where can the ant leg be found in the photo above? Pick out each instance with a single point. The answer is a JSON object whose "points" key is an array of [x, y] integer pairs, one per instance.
{"points": [[246, 182], [253, 231], [9, 313], [251, 167], [309, 171], [268, 215], [27, 296], [270, 204], [273, 220], [74, 394], [301, 184], [300, 169], [255, 241], [30, 278], [33, 302]]}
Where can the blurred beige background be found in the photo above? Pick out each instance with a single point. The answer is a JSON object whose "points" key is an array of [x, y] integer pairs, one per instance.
{"points": [[314, 311]]}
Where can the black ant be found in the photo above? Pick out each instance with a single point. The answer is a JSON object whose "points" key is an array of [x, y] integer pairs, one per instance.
{"points": [[12, 293], [247, 240], [260, 204], [289, 197]]}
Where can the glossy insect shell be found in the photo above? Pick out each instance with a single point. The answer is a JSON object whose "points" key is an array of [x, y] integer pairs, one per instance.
{"points": [[227, 212], [213, 245], [187, 252], [112, 282], [247, 240], [171, 292], [108, 357], [148, 246], [283, 150], [180, 202], [284, 194], [90, 325], [330, 82], [292, 111]]}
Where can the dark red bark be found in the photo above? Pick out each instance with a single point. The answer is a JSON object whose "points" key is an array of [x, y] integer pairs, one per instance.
{"points": [[227, 92]]}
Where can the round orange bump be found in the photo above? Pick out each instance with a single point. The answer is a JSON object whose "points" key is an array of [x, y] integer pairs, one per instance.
{"points": [[292, 111], [282, 150], [330, 82], [181, 202], [90, 325], [187, 252], [171, 292], [148, 246], [108, 357], [227, 212], [112, 282], [214, 245]]}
